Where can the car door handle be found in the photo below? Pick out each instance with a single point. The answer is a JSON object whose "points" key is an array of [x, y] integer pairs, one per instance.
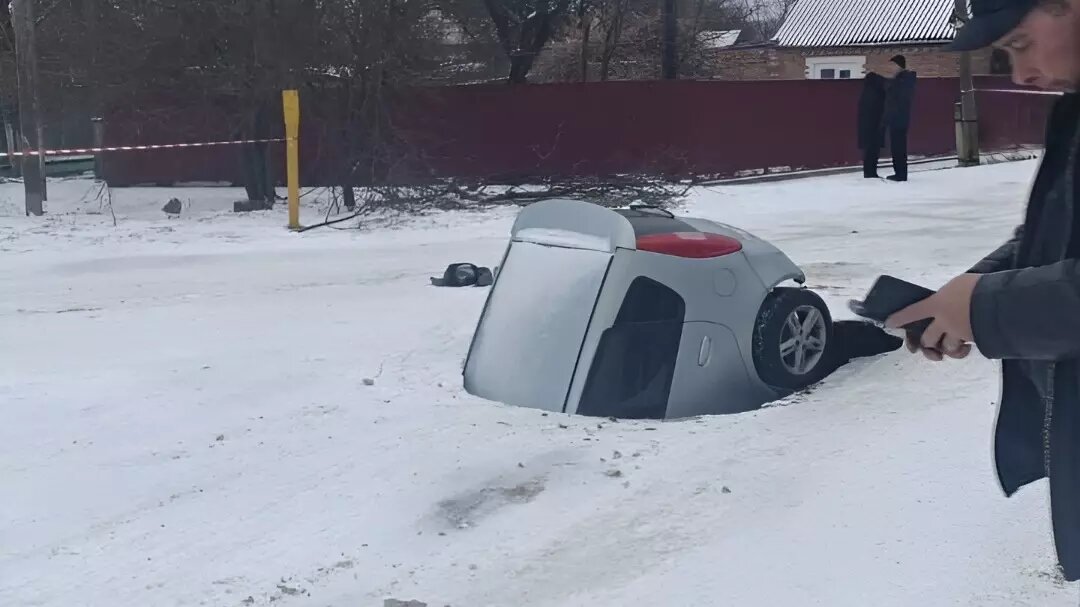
{"points": [[705, 352]]}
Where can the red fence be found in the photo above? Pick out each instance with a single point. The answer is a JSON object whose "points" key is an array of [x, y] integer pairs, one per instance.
{"points": [[680, 128], [1007, 120]]}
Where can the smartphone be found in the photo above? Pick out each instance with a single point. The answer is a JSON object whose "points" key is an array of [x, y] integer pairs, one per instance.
{"points": [[889, 295]]}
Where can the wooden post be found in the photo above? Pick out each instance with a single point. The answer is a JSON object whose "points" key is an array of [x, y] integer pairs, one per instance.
{"points": [[22, 17], [291, 104]]}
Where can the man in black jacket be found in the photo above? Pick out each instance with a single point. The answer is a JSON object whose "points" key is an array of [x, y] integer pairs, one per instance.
{"points": [[870, 122], [898, 97], [1021, 304]]}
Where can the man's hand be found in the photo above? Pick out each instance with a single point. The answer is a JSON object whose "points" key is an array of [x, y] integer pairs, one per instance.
{"points": [[950, 333]]}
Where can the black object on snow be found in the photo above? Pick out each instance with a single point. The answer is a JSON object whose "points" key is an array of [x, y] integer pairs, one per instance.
{"points": [[464, 275], [860, 339], [173, 207]]}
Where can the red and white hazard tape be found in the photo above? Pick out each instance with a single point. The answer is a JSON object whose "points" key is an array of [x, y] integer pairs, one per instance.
{"points": [[135, 148]]}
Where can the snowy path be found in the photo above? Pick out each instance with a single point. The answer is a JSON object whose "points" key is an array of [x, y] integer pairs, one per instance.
{"points": [[185, 422]]}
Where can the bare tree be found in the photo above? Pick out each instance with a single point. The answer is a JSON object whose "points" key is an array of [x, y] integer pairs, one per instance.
{"points": [[230, 58], [226, 61], [709, 21], [625, 39], [768, 16], [612, 16], [524, 28]]}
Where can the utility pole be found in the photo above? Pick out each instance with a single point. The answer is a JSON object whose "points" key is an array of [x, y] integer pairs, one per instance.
{"points": [[966, 114], [9, 143], [22, 18], [669, 59]]}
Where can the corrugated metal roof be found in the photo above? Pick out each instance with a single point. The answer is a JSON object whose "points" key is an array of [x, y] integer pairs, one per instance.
{"points": [[866, 22]]}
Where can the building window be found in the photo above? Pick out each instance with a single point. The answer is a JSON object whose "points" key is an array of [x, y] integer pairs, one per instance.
{"points": [[835, 68]]}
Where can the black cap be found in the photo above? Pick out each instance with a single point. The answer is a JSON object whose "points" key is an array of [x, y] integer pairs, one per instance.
{"points": [[990, 20]]}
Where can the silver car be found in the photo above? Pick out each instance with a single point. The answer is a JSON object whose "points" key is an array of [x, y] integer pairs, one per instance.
{"points": [[638, 314]]}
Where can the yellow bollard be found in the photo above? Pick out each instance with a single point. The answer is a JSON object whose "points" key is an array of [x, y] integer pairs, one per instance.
{"points": [[291, 103]]}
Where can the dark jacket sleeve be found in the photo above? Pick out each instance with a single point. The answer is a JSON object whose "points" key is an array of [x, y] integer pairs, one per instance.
{"points": [[1032, 313], [906, 93], [1001, 258], [871, 111], [899, 99]]}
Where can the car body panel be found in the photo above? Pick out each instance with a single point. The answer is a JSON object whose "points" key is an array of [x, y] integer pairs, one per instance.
{"points": [[694, 280], [711, 375], [769, 262], [527, 344], [564, 279]]}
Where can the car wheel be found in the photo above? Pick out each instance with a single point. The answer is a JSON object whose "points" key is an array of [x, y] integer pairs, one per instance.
{"points": [[792, 339]]}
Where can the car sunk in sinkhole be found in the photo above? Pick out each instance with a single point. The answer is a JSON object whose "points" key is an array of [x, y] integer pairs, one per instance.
{"points": [[638, 314]]}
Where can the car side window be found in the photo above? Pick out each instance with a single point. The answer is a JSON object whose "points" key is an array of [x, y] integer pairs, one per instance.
{"points": [[650, 301], [634, 364]]}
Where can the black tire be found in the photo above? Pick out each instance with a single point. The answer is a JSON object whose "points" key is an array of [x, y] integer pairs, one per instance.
{"points": [[772, 330]]}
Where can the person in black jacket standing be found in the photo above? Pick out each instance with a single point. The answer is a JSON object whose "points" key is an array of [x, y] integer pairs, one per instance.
{"points": [[898, 98], [871, 126], [1021, 304]]}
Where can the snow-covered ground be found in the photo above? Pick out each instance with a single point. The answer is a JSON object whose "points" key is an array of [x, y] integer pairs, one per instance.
{"points": [[185, 421]]}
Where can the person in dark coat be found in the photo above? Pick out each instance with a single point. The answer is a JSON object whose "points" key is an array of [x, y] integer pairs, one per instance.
{"points": [[898, 97], [871, 125], [1021, 304]]}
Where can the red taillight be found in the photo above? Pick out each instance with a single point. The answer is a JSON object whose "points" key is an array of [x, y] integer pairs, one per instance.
{"points": [[695, 245]]}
